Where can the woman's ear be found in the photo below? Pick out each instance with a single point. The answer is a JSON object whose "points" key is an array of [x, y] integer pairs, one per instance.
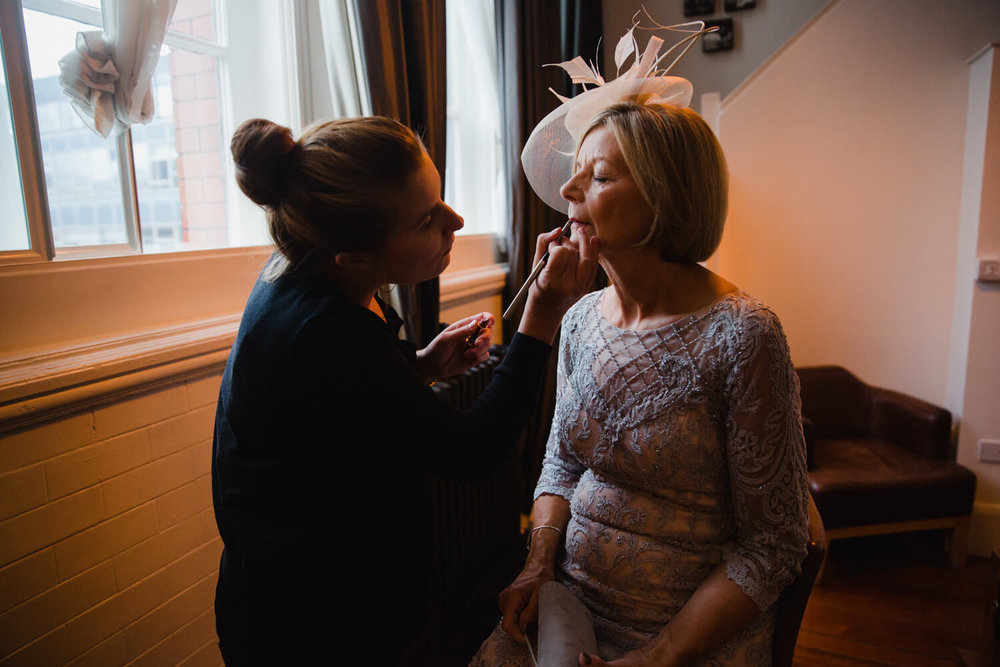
{"points": [[355, 261]]}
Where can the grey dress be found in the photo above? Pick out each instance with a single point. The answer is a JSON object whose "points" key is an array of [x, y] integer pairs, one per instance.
{"points": [[676, 448]]}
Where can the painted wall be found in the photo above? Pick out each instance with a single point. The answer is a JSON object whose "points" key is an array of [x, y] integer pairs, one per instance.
{"points": [[978, 303], [847, 152], [846, 155], [758, 33]]}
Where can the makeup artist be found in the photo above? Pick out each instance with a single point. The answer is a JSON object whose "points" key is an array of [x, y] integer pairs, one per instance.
{"points": [[325, 419]]}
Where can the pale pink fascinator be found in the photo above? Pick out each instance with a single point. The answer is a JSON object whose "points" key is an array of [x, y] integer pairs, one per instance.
{"points": [[548, 155]]}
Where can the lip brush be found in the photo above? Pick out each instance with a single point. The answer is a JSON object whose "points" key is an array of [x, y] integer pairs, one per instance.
{"points": [[523, 292]]}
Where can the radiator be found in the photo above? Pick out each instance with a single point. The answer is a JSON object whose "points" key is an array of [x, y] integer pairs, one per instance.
{"points": [[475, 524]]}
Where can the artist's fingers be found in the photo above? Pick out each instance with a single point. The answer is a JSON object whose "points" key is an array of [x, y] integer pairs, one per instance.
{"points": [[474, 327], [574, 265], [463, 323], [485, 336], [477, 355], [559, 275], [484, 318], [542, 243], [586, 268]]}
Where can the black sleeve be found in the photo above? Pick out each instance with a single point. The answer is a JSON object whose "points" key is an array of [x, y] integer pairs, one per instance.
{"points": [[363, 377]]}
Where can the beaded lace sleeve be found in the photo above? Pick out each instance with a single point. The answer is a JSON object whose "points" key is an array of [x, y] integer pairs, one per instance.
{"points": [[766, 458], [560, 469]]}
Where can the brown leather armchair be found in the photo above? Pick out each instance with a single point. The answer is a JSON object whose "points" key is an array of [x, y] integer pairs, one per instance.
{"points": [[879, 461]]}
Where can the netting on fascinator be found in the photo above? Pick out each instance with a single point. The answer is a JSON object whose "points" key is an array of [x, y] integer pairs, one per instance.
{"points": [[548, 154]]}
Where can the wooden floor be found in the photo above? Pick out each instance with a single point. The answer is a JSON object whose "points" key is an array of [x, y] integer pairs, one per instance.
{"points": [[887, 600], [893, 600]]}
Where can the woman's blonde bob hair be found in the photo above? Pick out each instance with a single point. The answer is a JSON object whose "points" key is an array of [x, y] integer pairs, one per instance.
{"points": [[330, 190], [680, 170]]}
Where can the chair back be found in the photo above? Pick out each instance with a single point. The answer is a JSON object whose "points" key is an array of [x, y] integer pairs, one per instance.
{"points": [[835, 401], [792, 603]]}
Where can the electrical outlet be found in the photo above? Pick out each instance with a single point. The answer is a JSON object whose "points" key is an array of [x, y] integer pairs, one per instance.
{"points": [[989, 451], [989, 270]]}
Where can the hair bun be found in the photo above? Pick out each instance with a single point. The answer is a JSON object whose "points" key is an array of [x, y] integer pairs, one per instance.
{"points": [[260, 151]]}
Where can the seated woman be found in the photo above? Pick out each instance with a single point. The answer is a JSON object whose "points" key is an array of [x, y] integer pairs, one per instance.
{"points": [[672, 499]]}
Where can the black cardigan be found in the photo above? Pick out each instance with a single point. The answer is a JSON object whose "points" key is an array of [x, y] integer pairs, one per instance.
{"points": [[322, 432]]}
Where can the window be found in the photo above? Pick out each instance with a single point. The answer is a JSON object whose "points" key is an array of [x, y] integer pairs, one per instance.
{"points": [[475, 182], [164, 186]]}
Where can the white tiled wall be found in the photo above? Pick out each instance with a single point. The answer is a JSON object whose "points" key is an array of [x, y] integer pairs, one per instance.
{"points": [[108, 545]]}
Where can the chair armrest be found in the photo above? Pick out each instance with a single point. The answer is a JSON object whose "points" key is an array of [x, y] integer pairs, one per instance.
{"points": [[809, 433], [909, 422]]}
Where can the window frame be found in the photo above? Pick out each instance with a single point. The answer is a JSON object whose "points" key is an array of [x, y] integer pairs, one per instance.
{"points": [[14, 56], [21, 93], [84, 325]]}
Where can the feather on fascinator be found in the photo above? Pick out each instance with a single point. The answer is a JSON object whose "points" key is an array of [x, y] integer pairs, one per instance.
{"points": [[548, 154]]}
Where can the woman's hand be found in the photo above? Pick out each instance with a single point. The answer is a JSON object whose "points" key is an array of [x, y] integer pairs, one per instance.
{"points": [[716, 611], [646, 656], [458, 348], [519, 601], [568, 275]]}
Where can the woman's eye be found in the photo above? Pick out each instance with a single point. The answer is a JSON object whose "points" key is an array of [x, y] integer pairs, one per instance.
{"points": [[601, 179]]}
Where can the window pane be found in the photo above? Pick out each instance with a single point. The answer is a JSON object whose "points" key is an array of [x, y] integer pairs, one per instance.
{"points": [[14, 219], [474, 174], [178, 158], [81, 167], [195, 18]]}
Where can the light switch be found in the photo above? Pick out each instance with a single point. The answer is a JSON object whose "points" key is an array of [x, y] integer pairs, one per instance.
{"points": [[989, 451]]}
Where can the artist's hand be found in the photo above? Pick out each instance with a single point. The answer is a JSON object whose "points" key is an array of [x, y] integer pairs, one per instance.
{"points": [[457, 348], [567, 276], [519, 601], [569, 272]]}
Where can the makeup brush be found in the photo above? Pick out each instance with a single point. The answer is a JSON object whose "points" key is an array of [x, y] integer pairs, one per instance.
{"points": [[523, 292]]}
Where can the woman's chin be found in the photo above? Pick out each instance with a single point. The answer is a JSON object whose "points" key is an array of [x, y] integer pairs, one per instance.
{"points": [[442, 265]]}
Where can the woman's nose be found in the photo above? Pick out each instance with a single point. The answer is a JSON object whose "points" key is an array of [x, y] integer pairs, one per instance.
{"points": [[456, 222], [569, 191]]}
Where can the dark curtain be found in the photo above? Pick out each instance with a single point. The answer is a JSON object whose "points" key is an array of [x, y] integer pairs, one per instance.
{"points": [[403, 49], [530, 34]]}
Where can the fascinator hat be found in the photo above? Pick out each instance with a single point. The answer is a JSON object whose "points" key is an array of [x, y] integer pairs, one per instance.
{"points": [[550, 151]]}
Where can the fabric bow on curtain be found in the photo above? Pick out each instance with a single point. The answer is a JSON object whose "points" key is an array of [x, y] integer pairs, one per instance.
{"points": [[108, 75], [403, 49]]}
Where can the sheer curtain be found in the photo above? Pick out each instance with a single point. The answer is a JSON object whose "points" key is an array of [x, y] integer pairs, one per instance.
{"points": [[107, 76], [403, 46], [348, 90]]}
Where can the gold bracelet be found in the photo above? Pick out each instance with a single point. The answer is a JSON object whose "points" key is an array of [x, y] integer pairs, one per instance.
{"points": [[531, 533]]}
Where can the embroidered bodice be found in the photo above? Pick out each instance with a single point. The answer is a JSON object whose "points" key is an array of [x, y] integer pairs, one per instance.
{"points": [[677, 448]]}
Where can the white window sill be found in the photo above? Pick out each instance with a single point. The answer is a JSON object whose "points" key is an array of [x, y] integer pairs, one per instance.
{"points": [[475, 271], [87, 332]]}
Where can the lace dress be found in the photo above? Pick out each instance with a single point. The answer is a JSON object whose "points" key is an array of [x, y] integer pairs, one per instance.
{"points": [[677, 448]]}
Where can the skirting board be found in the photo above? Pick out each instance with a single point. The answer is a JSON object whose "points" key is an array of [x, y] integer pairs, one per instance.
{"points": [[984, 532]]}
